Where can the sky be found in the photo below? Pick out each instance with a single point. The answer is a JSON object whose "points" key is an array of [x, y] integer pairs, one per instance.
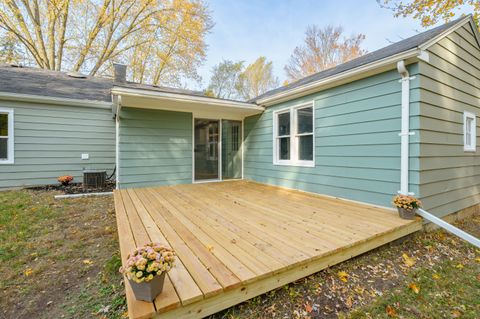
{"points": [[247, 29]]}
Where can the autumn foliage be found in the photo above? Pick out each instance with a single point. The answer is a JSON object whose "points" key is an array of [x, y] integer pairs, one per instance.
{"points": [[65, 180], [160, 40]]}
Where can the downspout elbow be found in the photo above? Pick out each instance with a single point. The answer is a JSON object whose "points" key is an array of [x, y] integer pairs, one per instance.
{"points": [[402, 69]]}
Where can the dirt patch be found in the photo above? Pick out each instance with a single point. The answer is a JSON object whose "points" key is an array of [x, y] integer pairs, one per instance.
{"points": [[74, 188], [59, 259]]}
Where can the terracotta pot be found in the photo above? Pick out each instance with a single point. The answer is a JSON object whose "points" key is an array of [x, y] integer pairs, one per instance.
{"points": [[407, 213], [148, 291]]}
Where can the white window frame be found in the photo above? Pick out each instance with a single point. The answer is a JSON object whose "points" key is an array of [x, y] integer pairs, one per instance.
{"points": [[10, 137], [294, 136], [472, 147]]}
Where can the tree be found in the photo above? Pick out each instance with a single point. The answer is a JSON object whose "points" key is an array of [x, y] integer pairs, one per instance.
{"points": [[256, 79], [10, 51], [225, 79], [160, 40], [431, 11], [323, 49]]}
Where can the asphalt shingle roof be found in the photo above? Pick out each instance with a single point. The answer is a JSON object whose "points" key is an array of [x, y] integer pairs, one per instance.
{"points": [[395, 48], [36, 81]]}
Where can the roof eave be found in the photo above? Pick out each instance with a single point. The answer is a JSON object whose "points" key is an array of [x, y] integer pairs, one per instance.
{"points": [[8, 96], [317, 85], [182, 98]]}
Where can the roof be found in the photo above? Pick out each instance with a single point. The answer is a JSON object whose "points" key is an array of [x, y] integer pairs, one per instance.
{"points": [[393, 49], [36, 81], [47, 83]]}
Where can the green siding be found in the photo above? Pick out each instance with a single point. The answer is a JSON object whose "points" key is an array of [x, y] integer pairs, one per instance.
{"points": [[155, 148], [49, 141], [357, 154], [450, 177]]}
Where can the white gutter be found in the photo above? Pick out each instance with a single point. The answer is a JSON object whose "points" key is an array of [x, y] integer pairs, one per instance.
{"points": [[315, 86], [454, 230], [54, 100], [177, 97], [405, 132]]}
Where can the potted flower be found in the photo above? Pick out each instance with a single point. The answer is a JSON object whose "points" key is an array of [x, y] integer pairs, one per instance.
{"points": [[406, 205], [146, 268], [65, 180]]}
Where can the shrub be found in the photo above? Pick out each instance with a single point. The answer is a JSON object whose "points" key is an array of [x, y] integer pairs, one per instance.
{"points": [[406, 201], [148, 261], [65, 180]]}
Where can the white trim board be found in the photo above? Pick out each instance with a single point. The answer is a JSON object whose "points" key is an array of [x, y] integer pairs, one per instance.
{"points": [[7, 96]]}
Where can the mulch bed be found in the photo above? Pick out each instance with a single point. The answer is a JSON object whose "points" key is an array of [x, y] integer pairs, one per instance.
{"points": [[74, 188]]}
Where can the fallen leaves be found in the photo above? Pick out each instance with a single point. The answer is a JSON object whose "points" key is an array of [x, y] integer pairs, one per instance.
{"points": [[308, 308], [456, 313], [459, 266], [390, 311], [414, 288], [343, 276], [436, 276], [209, 247], [408, 261], [28, 272], [87, 262]]}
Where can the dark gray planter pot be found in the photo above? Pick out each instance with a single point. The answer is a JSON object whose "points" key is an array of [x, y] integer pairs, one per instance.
{"points": [[148, 291], [407, 213]]}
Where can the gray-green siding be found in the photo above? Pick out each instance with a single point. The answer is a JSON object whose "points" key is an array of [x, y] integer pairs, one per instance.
{"points": [[155, 148], [49, 141], [450, 177], [357, 154]]}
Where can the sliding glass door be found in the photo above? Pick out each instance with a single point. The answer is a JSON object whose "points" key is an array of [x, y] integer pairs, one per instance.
{"points": [[215, 160], [206, 149]]}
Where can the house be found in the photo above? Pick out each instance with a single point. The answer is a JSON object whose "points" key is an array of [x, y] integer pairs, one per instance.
{"points": [[402, 118]]}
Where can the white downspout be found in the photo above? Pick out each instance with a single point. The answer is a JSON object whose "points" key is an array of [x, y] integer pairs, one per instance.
{"points": [[405, 130], [117, 142]]}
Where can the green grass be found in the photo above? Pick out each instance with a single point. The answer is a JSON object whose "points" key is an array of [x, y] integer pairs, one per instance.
{"points": [[43, 245], [446, 291]]}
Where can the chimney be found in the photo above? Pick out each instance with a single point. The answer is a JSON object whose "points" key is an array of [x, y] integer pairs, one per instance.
{"points": [[119, 73]]}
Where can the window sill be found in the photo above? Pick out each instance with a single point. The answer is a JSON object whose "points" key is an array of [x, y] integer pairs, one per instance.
{"points": [[470, 150], [296, 164], [7, 162]]}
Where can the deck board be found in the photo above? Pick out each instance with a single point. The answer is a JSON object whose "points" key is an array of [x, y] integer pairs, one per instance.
{"points": [[235, 240]]}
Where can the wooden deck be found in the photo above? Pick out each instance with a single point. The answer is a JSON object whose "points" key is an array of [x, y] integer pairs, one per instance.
{"points": [[236, 240]]}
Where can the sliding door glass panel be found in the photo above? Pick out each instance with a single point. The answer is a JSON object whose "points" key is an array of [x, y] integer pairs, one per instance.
{"points": [[231, 149], [206, 149]]}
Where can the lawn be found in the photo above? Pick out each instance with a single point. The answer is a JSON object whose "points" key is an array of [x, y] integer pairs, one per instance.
{"points": [[59, 259]]}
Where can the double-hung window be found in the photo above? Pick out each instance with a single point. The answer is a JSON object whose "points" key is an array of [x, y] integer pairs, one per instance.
{"points": [[6, 136], [294, 140], [469, 132]]}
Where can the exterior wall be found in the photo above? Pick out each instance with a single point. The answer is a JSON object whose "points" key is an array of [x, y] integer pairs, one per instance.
{"points": [[155, 148], [357, 153], [49, 141], [450, 177]]}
